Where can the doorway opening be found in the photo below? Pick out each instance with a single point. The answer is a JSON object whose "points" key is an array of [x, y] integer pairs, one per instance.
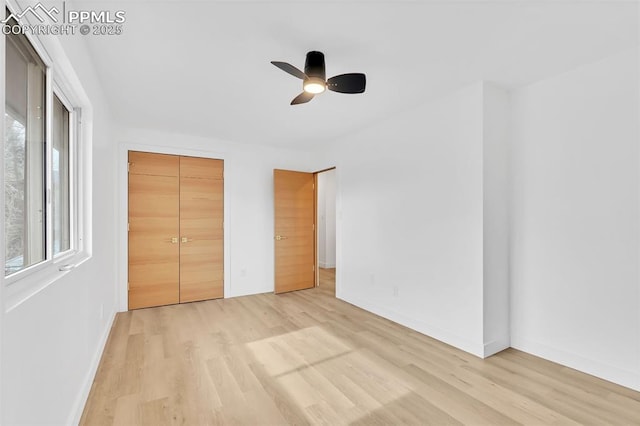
{"points": [[326, 231]]}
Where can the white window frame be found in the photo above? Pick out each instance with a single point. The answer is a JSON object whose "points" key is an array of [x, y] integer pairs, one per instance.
{"points": [[16, 276], [73, 160], [21, 285]]}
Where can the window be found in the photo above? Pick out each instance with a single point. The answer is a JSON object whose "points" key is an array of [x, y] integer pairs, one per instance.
{"points": [[39, 161], [24, 156], [60, 179]]}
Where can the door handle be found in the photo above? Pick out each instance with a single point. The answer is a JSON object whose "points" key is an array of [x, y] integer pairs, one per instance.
{"points": [[172, 240], [186, 240], [280, 237]]}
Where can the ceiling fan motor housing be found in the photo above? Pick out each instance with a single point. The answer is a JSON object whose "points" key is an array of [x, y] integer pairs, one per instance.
{"points": [[314, 78], [314, 65]]}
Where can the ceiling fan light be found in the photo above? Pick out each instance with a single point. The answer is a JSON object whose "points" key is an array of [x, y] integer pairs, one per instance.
{"points": [[314, 85]]}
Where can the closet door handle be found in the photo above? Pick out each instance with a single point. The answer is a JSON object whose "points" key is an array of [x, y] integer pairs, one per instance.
{"points": [[172, 240], [186, 240]]}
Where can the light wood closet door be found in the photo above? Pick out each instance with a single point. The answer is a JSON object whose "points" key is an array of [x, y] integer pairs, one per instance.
{"points": [[201, 229], [295, 253], [154, 261]]}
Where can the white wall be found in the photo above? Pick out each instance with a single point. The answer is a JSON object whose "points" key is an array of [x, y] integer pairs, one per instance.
{"points": [[410, 219], [495, 128], [327, 219], [52, 341], [249, 244], [575, 224]]}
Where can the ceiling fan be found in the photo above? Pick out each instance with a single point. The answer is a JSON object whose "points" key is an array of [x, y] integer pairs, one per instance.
{"points": [[314, 78]]}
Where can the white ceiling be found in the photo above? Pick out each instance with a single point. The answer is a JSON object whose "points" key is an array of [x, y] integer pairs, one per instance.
{"points": [[203, 68]]}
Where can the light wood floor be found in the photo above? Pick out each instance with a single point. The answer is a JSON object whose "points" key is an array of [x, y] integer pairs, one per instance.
{"points": [[308, 358]]}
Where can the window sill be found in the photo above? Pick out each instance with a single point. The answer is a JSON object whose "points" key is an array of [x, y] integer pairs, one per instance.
{"points": [[21, 289]]}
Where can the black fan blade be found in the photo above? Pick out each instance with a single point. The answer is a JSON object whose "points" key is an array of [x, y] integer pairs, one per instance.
{"points": [[347, 83], [290, 69], [302, 98]]}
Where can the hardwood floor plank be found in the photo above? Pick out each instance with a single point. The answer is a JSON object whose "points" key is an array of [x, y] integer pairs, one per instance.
{"points": [[578, 403], [466, 408], [292, 413], [308, 358], [155, 412]]}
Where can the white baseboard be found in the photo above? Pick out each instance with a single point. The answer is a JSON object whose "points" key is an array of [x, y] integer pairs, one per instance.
{"points": [[495, 346], [81, 399], [444, 336], [326, 265], [626, 378]]}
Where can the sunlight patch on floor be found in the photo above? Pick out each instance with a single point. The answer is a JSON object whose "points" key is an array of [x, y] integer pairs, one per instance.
{"points": [[301, 362], [290, 351]]}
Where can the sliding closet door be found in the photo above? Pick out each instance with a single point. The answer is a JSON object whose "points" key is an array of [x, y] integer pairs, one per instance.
{"points": [[201, 229], [154, 261]]}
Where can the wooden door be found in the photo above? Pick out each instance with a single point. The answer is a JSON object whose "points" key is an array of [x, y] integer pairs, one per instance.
{"points": [[295, 248], [154, 269], [201, 229]]}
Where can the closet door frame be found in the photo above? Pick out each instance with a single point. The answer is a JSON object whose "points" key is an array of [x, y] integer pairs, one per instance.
{"points": [[123, 212]]}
